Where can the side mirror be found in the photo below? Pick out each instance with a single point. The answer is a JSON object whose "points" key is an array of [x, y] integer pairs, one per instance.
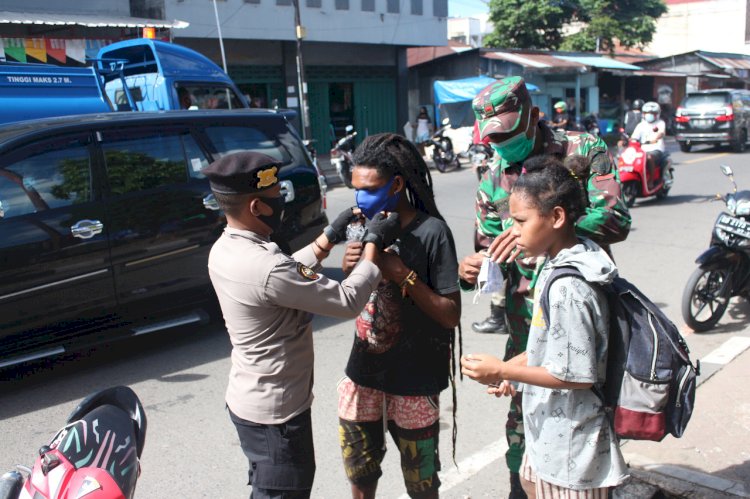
{"points": [[726, 170], [348, 128]]}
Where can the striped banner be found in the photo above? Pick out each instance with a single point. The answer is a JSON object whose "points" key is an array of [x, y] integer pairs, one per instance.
{"points": [[15, 49], [36, 49], [55, 50], [75, 50]]}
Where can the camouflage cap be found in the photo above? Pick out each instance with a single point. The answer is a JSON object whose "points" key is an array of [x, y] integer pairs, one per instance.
{"points": [[499, 105]]}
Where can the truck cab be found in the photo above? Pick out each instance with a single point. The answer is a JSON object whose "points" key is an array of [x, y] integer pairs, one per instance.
{"points": [[161, 76]]}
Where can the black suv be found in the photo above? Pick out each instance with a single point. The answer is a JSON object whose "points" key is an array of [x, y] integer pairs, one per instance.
{"points": [[713, 117], [106, 220]]}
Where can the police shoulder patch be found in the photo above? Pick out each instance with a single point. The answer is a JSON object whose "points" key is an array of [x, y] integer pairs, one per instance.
{"points": [[306, 272]]}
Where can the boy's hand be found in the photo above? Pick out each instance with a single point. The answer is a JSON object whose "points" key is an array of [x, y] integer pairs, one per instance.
{"points": [[505, 388], [352, 255], [468, 268], [503, 248]]}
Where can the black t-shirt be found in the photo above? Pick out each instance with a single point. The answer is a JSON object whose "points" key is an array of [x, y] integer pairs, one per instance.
{"points": [[398, 348]]}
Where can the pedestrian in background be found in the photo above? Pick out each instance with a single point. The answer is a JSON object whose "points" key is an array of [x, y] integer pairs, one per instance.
{"points": [[401, 356], [570, 443], [268, 300], [423, 129], [512, 122]]}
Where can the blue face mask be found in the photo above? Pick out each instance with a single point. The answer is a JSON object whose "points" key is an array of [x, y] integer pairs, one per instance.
{"points": [[516, 148], [372, 202]]}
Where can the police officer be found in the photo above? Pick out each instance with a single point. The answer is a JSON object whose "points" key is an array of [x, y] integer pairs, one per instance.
{"points": [[268, 300], [508, 117]]}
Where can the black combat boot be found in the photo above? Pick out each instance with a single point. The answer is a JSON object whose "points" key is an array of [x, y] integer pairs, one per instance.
{"points": [[495, 323], [516, 491]]}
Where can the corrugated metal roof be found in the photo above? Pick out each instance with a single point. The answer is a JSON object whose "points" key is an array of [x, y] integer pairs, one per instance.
{"points": [[88, 20], [727, 62], [419, 55], [598, 61], [532, 60]]}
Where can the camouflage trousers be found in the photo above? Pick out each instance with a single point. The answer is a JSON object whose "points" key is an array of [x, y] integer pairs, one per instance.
{"points": [[518, 309]]}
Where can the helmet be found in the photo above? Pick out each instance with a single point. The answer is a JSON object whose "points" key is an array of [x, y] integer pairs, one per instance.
{"points": [[651, 107], [561, 106], [638, 104]]}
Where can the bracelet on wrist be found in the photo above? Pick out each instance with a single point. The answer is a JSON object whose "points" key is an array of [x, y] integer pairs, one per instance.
{"points": [[321, 248], [409, 280]]}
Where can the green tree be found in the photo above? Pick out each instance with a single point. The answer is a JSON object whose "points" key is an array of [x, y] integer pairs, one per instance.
{"points": [[529, 24], [538, 24], [632, 23]]}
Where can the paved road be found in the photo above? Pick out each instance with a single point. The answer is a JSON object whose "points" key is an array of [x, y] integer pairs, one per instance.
{"points": [[191, 448]]}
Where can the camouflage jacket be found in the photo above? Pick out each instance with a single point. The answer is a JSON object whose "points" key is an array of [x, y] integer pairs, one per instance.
{"points": [[606, 221]]}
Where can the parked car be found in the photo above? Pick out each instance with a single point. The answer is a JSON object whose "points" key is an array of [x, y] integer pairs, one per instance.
{"points": [[106, 220], [717, 117]]}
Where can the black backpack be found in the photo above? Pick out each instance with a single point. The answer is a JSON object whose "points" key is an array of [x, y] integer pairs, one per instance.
{"points": [[650, 380]]}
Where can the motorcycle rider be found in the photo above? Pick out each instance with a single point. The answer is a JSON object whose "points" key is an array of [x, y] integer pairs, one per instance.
{"points": [[560, 119], [650, 133], [507, 115], [633, 117]]}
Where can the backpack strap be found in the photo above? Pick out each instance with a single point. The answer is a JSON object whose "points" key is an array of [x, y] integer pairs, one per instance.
{"points": [[557, 273]]}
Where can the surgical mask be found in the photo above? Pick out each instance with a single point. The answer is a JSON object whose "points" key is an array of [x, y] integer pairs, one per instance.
{"points": [[489, 280], [274, 219], [373, 202], [649, 117], [516, 148]]}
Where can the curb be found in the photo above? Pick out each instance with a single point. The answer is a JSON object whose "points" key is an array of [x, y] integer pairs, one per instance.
{"points": [[681, 482]]}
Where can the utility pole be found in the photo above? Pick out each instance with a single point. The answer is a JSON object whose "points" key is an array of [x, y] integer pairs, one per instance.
{"points": [[221, 40], [299, 33]]}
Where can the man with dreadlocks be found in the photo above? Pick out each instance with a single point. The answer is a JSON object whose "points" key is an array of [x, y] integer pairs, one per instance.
{"points": [[402, 354]]}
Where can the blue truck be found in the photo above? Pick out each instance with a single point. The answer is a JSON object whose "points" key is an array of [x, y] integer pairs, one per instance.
{"points": [[132, 75]]}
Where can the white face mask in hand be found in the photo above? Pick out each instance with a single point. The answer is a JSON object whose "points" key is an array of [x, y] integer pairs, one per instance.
{"points": [[489, 280]]}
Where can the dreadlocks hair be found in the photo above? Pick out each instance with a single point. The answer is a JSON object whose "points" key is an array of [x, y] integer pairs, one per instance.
{"points": [[548, 183], [392, 154]]}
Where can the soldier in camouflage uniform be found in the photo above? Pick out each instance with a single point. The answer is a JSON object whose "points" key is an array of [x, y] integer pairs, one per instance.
{"points": [[507, 116]]}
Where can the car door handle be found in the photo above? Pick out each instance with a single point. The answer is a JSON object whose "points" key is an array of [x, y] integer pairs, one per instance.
{"points": [[210, 203], [86, 229]]}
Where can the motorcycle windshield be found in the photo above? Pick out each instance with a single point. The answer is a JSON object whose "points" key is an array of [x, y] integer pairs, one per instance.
{"points": [[105, 439]]}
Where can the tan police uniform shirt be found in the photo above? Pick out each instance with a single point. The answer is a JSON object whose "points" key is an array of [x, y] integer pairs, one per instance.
{"points": [[268, 300]]}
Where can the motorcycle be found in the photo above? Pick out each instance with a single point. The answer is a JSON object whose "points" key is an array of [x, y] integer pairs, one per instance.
{"points": [[724, 268], [640, 181], [480, 155], [96, 455], [341, 156], [443, 154]]}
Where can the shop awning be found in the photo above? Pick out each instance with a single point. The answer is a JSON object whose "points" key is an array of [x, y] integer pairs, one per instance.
{"points": [[88, 20]]}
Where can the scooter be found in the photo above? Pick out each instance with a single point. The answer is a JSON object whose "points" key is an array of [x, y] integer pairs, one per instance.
{"points": [[341, 156], [638, 180], [442, 151], [96, 455], [480, 155], [724, 268]]}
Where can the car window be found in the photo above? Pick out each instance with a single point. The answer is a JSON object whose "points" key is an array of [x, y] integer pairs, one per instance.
{"points": [[138, 163], [706, 101], [45, 181], [206, 96], [232, 139], [197, 161]]}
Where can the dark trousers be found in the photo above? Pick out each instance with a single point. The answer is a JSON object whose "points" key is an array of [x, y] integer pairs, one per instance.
{"points": [[281, 456]]}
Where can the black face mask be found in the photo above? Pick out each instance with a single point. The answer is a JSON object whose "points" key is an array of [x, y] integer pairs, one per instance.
{"points": [[274, 219]]}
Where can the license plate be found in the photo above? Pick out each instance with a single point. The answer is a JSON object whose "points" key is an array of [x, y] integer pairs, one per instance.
{"points": [[734, 225], [702, 123]]}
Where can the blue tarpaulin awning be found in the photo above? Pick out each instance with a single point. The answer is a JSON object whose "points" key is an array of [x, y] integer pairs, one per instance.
{"points": [[449, 91]]}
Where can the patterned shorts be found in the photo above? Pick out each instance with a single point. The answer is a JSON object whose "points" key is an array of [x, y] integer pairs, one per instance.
{"points": [[546, 490], [413, 424]]}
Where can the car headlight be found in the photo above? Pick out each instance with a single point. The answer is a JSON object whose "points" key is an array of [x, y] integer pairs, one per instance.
{"points": [[742, 208]]}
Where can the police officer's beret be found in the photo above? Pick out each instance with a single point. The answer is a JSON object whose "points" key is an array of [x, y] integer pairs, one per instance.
{"points": [[243, 173]]}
